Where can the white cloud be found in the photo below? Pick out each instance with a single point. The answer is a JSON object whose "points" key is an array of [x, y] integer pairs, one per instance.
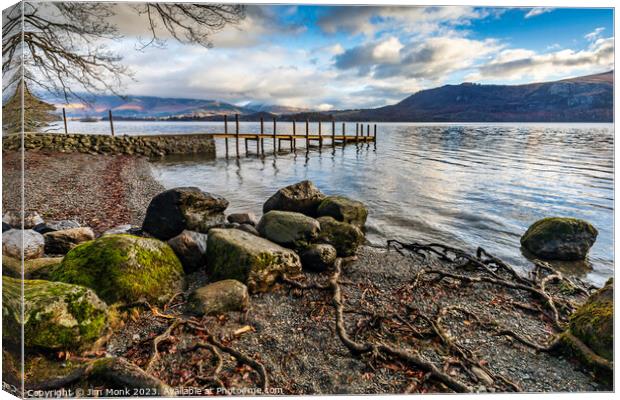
{"points": [[520, 64], [595, 34], [538, 11]]}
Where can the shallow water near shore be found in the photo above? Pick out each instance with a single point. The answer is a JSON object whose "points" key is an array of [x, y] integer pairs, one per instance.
{"points": [[466, 185]]}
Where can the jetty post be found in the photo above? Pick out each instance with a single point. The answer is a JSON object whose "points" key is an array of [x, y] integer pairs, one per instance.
{"points": [[320, 136], [333, 133], [368, 130], [64, 118], [374, 133], [274, 135], [307, 135], [111, 122], [357, 128], [226, 133], [294, 140], [237, 133], [262, 132], [344, 138]]}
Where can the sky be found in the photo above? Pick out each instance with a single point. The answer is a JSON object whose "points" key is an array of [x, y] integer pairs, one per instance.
{"points": [[329, 57]]}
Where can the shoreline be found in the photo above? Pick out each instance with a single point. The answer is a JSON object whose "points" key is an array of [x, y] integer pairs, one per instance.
{"points": [[100, 191], [291, 330]]}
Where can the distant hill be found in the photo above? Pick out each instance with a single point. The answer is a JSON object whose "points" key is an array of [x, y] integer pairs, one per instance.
{"points": [[583, 99]]}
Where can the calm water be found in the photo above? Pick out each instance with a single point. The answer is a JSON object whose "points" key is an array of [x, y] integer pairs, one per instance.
{"points": [[465, 185]]}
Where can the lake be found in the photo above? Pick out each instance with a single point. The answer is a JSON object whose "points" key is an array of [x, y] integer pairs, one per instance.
{"points": [[465, 185]]}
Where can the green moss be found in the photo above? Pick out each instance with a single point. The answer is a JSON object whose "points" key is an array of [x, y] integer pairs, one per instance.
{"points": [[123, 268], [346, 238], [55, 315], [343, 209], [553, 227], [592, 323]]}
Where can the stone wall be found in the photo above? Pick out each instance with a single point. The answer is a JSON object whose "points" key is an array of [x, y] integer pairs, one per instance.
{"points": [[150, 146]]}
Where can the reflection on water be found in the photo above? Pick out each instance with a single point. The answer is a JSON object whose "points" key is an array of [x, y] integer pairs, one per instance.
{"points": [[465, 185]]}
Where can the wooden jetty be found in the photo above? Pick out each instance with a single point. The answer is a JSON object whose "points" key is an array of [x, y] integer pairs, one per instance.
{"points": [[333, 137], [319, 137]]}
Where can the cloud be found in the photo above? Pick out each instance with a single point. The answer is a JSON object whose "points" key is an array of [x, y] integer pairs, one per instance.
{"points": [[368, 20], [538, 11], [519, 64], [431, 58], [595, 34]]}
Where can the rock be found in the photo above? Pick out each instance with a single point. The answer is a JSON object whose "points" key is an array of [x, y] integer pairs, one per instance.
{"points": [[559, 238], [186, 208], [33, 244], [257, 262], [593, 322], [60, 242], [219, 297], [302, 197], [249, 229], [343, 209], [37, 268], [318, 257], [56, 315], [346, 238], [53, 226], [14, 219], [120, 229], [123, 268], [191, 248], [289, 229], [5, 227], [243, 218]]}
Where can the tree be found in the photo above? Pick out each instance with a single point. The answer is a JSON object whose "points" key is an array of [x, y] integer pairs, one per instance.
{"points": [[37, 113], [62, 45]]}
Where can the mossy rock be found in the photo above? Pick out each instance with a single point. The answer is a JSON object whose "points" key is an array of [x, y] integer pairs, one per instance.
{"points": [[257, 262], [557, 238], [593, 322], [343, 209], [346, 238], [219, 297], [289, 229], [37, 268], [123, 268], [55, 315], [302, 197]]}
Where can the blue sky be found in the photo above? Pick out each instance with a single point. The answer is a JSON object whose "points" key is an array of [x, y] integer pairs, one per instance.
{"points": [[349, 57]]}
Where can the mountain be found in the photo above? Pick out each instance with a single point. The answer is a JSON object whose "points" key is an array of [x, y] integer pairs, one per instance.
{"points": [[583, 99], [148, 107]]}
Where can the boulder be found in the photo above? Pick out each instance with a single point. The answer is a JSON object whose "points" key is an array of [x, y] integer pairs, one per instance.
{"points": [[32, 244], [186, 208], [243, 218], [302, 197], [593, 322], [56, 315], [191, 249], [249, 229], [14, 219], [219, 297], [53, 226], [123, 268], [60, 242], [37, 268], [289, 229], [318, 257], [556, 238], [345, 238], [257, 262], [343, 209], [128, 229]]}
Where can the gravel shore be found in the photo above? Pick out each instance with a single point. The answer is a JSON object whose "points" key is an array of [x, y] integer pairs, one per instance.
{"points": [[100, 191]]}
